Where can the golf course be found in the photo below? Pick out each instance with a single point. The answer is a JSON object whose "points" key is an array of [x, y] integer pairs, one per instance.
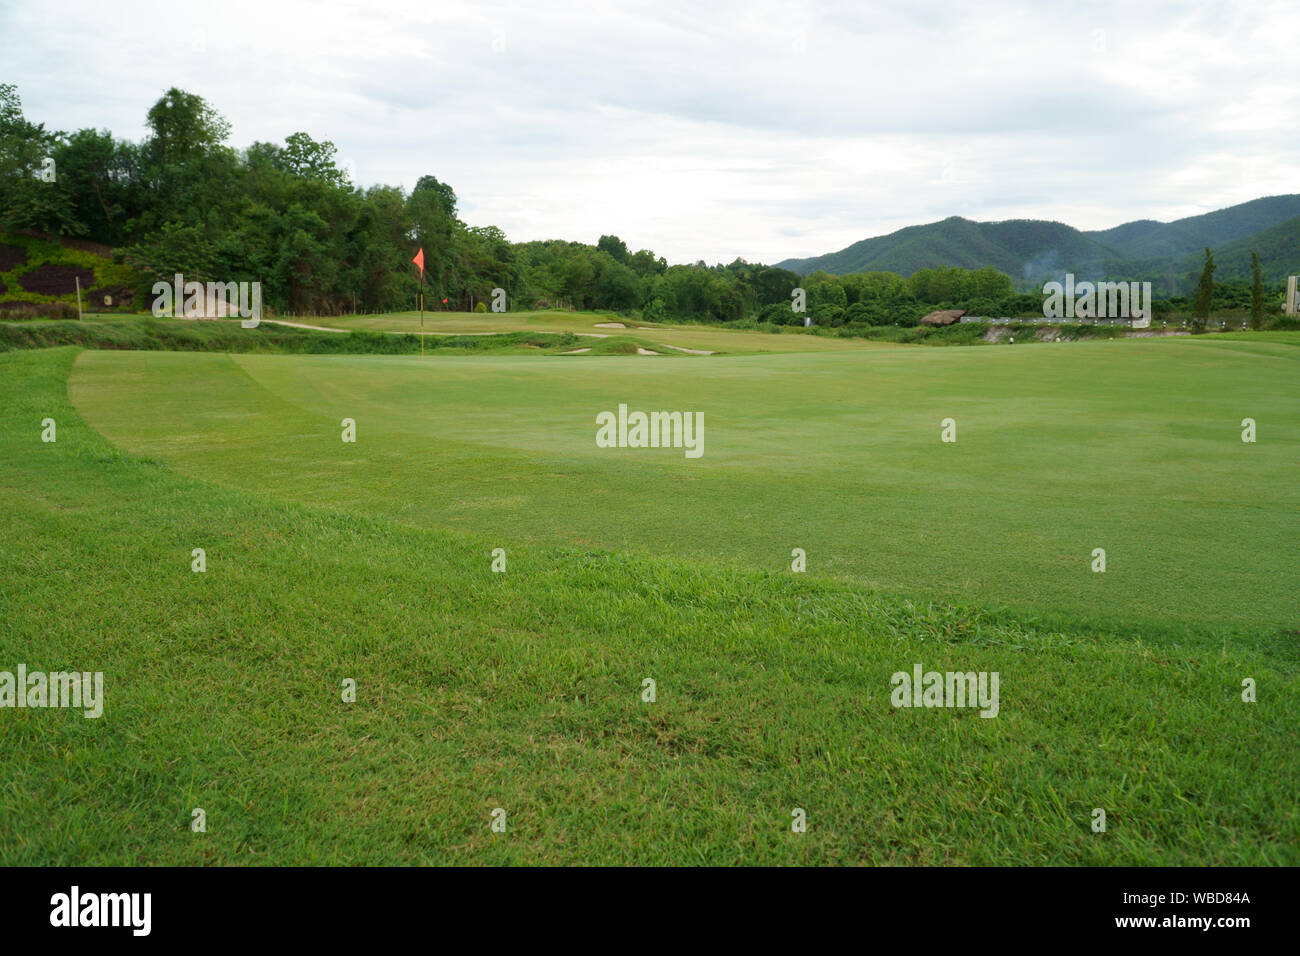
{"points": [[446, 532], [666, 337]]}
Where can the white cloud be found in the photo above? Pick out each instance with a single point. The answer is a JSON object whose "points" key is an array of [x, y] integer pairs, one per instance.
{"points": [[763, 130]]}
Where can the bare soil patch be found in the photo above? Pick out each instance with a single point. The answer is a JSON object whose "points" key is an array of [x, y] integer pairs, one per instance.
{"points": [[51, 279]]}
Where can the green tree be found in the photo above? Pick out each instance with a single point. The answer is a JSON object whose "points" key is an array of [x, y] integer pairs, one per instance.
{"points": [[432, 211], [773, 286], [102, 180], [617, 288], [1256, 292], [615, 246], [26, 200], [1203, 300], [306, 158], [827, 299], [644, 263], [441, 192], [183, 126]]}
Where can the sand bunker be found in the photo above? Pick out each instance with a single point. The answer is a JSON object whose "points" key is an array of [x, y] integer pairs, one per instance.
{"points": [[641, 351], [575, 351], [681, 349], [610, 325], [299, 325]]}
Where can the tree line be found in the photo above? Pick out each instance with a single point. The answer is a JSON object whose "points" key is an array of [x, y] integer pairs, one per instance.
{"points": [[183, 200]]}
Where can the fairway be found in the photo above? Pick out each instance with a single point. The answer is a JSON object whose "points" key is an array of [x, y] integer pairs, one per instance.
{"points": [[1131, 447], [665, 336], [523, 692]]}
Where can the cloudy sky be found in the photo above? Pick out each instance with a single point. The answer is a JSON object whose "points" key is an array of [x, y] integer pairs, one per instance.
{"points": [[709, 130]]}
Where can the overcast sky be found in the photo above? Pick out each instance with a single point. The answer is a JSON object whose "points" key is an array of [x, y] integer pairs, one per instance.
{"points": [[714, 130]]}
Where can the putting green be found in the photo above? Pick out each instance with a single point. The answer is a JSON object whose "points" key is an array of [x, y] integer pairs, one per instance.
{"points": [[1130, 446]]}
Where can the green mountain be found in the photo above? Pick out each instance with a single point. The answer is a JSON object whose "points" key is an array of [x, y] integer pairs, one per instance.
{"points": [[1031, 250], [1148, 239], [1278, 249], [1017, 247]]}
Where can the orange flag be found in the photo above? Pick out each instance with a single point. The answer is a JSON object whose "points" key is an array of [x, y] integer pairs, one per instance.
{"points": [[419, 261]]}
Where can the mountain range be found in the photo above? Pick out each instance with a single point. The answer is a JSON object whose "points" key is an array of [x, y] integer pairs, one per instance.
{"points": [[1170, 254]]}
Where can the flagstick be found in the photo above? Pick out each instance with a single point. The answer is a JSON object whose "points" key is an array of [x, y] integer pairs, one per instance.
{"points": [[419, 261]]}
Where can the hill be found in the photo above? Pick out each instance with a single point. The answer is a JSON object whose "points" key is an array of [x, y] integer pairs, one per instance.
{"points": [[1030, 250], [1149, 239], [1278, 249], [1022, 248]]}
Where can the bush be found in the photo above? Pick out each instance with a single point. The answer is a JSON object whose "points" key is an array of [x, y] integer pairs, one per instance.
{"points": [[37, 310], [654, 311], [779, 313], [830, 316]]}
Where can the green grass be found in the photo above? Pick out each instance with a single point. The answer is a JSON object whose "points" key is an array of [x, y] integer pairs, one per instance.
{"points": [[399, 334], [521, 690], [226, 335], [1132, 446], [655, 336]]}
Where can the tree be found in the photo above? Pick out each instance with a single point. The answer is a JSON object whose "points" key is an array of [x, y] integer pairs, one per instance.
{"points": [[617, 288], [442, 193], [698, 292], [827, 299], [101, 177], [175, 247], [432, 210], [644, 263], [989, 283], [305, 157], [1256, 292], [183, 127], [773, 286], [576, 272], [27, 201], [1204, 298], [615, 246]]}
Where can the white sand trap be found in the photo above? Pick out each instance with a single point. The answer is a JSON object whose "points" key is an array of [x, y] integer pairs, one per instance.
{"points": [[590, 335], [299, 325], [680, 349], [575, 351], [610, 325], [641, 351]]}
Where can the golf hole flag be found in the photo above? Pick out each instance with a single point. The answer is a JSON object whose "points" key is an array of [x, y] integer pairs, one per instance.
{"points": [[419, 261]]}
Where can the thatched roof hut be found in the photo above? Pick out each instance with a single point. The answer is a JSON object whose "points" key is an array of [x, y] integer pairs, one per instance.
{"points": [[943, 317]]}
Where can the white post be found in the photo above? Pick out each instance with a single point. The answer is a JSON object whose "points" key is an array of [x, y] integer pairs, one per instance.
{"points": [[1292, 302], [78, 278]]}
